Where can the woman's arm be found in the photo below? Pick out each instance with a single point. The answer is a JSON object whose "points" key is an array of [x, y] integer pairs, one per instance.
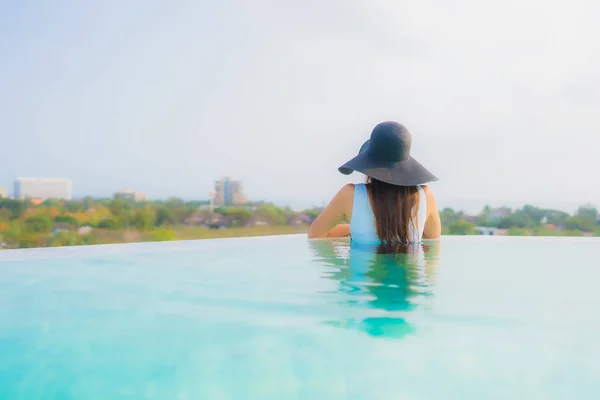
{"points": [[340, 230], [338, 208], [433, 224]]}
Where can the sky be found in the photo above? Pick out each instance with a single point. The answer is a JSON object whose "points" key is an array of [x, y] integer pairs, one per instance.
{"points": [[164, 97]]}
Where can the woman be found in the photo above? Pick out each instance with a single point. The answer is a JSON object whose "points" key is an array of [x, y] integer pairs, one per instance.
{"points": [[394, 206]]}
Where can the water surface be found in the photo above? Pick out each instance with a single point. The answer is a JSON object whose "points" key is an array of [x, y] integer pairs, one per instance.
{"points": [[287, 318]]}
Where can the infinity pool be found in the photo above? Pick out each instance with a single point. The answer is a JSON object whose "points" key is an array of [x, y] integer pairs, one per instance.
{"points": [[288, 318]]}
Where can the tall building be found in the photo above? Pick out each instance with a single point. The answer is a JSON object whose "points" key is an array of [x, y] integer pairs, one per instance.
{"points": [[3, 192], [43, 188], [229, 192]]}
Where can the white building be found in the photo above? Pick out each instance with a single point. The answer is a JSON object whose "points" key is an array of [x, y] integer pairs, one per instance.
{"points": [[43, 188], [130, 195]]}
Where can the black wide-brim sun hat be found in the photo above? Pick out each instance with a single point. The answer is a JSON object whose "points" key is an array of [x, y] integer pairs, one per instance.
{"points": [[386, 157]]}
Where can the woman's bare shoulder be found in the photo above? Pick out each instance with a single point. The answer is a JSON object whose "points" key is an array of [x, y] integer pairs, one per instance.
{"points": [[427, 190], [348, 189]]}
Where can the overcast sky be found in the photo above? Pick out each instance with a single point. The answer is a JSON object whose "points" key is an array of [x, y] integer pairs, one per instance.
{"points": [[163, 97]]}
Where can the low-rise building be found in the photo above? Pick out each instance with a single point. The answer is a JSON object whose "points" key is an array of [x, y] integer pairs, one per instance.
{"points": [[257, 220], [130, 195], [486, 230], [85, 230], [61, 227], [296, 220], [210, 220], [490, 231]]}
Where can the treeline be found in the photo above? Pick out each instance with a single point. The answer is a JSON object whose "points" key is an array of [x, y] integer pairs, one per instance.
{"points": [[529, 220], [95, 221]]}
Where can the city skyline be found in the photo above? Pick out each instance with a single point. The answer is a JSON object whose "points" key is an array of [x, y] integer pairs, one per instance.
{"points": [[472, 207], [280, 96]]}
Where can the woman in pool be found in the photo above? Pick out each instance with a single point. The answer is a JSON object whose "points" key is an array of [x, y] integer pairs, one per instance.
{"points": [[394, 206]]}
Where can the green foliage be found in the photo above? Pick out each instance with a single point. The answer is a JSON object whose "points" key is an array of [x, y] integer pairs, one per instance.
{"points": [[313, 213], [28, 240], [272, 213], [571, 232], [67, 239], [163, 235], [74, 206], [16, 208], [174, 202], [516, 231], [544, 231], [448, 216], [12, 234], [144, 219], [39, 223], [164, 220], [117, 206], [240, 215], [518, 219], [111, 223], [588, 213], [461, 227], [66, 218], [164, 216], [580, 223], [4, 215], [557, 218], [51, 203]]}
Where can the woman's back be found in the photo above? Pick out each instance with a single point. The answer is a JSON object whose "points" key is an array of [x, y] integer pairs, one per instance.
{"points": [[395, 206], [363, 226]]}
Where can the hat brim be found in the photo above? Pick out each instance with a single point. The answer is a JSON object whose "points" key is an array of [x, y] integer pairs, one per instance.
{"points": [[404, 173]]}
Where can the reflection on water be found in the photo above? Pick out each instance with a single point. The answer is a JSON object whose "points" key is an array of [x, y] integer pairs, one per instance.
{"points": [[379, 284]]}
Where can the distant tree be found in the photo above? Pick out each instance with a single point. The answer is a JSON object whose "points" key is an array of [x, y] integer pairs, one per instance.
{"points": [[448, 216], [517, 220], [312, 213], [39, 223], [461, 227], [5, 214], [12, 234], [240, 215], [535, 214], [557, 218], [164, 216], [272, 213], [175, 202], [88, 202], [17, 208], [117, 206], [74, 206], [111, 223], [51, 203], [589, 213], [144, 219], [580, 223], [67, 219]]}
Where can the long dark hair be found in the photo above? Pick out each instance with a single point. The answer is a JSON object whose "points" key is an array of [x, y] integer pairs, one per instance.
{"points": [[394, 208]]}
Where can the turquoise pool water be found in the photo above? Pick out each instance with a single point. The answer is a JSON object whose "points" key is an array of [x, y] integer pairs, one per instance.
{"points": [[285, 318]]}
